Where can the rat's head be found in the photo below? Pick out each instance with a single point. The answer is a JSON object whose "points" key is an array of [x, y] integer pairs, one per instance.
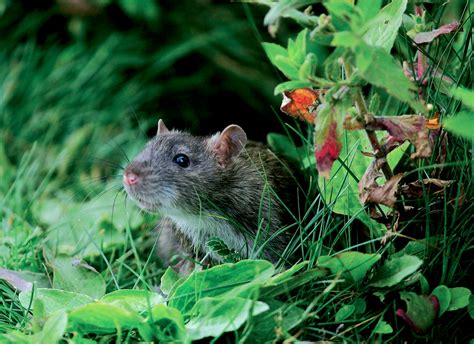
{"points": [[176, 168]]}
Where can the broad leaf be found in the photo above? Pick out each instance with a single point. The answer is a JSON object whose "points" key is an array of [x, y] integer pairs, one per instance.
{"points": [[353, 265], [169, 280], [421, 311], [395, 270], [139, 300], [426, 37], [444, 298], [54, 328], [344, 312], [74, 275], [55, 300], [383, 328], [168, 325], [214, 316], [301, 104], [459, 298]]}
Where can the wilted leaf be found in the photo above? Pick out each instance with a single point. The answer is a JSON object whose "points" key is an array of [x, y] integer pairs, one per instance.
{"points": [[353, 265], [371, 192], [300, 103], [402, 128], [419, 187], [395, 270], [426, 37], [214, 316], [421, 311]]}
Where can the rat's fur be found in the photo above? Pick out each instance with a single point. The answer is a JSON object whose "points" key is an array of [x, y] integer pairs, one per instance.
{"points": [[227, 191]]}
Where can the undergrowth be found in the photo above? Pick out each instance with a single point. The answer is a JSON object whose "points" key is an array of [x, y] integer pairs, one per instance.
{"points": [[79, 96]]}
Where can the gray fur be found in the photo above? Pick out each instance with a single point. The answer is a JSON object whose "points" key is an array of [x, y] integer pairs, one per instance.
{"points": [[214, 196]]}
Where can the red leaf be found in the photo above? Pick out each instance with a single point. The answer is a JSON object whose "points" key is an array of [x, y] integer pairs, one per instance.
{"points": [[327, 152], [426, 37], [300, 103]]}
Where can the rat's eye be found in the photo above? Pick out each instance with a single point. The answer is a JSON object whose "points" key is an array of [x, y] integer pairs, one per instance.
{"points": [[181, 159]]}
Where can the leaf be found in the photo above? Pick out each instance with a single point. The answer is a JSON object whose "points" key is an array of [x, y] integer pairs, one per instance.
{"points": [[383, 28], [379, 68], [371, 192], [443, 295], [15, 280], [291, 85], [405, 128], [214, 316], [459, 298], [54, 328], [218, 247], [169, 325], [470, 307], [353, 265], [286, 275], [383, 328], [280, 317], [141, 9], [72, 274], [55, 300], [300, 103], [421, 311], [461, 124], [169, 280], [464, 95], [344, 312], [235, 280], [395, 270], [284, 147], [101, 317], [327, 136], [279, 58], [138, 300], [426, 37]]}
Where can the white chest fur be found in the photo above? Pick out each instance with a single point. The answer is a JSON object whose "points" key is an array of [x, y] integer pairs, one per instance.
{"points": [[200, 228]]}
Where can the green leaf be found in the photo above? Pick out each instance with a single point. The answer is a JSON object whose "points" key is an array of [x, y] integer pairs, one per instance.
{"points": [[280, 317], [379, 68], [140, 9], [444, 298], [291, 85], [214, 316], [169, 280], [383, 28], [237, 280], [461, 124], [55, 300], [470, 307], [72, 274], [286, 275], [395, 270], [345, 39], [421, 311], [383, 328], [279, 58], [459, 298], [369, 8], [54, 328], [218, 246], [464, 95], [344, 312], [353, 265], [297, 48], [168, 324], [101, 317], [138, 300]]}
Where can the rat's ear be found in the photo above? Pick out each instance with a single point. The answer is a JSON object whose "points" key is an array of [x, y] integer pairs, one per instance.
{"points": [[229, 143], [161, 127]]}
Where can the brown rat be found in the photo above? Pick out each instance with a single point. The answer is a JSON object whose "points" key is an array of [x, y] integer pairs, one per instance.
{"points": [[217, 186]]}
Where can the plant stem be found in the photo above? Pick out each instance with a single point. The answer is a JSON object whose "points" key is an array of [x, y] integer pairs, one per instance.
{"points": [[367, 118]]}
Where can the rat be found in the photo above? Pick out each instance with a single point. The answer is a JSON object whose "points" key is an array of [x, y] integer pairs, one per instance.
{"points": [[222, 186]]}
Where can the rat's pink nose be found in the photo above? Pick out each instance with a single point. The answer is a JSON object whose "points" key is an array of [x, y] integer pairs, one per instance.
{"points": [[130, 178]]}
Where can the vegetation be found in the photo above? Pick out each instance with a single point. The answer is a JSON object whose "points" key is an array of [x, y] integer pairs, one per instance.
{"points": [[383, 101]]}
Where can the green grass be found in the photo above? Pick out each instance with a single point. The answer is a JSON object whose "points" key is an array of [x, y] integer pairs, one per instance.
{"points": [[75, 105]]}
